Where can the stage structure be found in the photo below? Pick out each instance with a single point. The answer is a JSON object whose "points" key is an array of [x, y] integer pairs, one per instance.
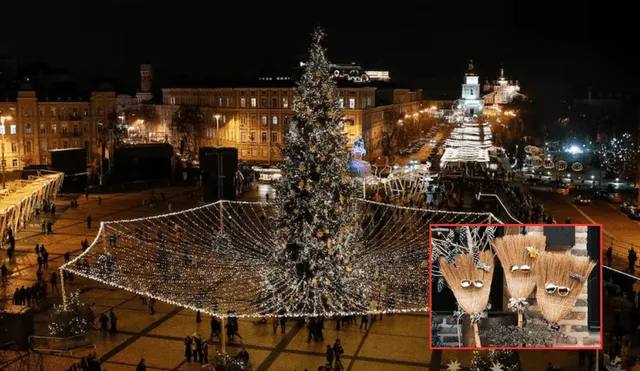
{"points": [[219, 259], [21, 197]]}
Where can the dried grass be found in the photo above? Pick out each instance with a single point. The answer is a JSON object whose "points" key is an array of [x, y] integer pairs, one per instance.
{"points": [[471, 299], [555, 268], [512, 250]]}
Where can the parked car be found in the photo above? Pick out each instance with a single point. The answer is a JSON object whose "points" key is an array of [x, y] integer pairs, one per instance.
{"points": [[628, 207], [635, 214], [615, 198], [582, 200], [601, 195]]}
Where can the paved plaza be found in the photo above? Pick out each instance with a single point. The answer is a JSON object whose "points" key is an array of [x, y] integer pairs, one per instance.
{"points": [[397, 342]]}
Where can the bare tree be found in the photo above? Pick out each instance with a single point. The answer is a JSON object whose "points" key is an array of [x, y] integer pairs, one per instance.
{"points": [[392, 134], [187, 124]]}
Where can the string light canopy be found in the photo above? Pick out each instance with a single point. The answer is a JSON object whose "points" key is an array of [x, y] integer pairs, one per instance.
{"points": [[224, 267], [469, 142]]}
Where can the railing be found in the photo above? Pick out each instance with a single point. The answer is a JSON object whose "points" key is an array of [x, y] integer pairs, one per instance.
{"points": [[50, 344]]}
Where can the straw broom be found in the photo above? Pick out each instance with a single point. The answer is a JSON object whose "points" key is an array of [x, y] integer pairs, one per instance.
{"points": [[558, 269], [472, 300], [515, 251]]}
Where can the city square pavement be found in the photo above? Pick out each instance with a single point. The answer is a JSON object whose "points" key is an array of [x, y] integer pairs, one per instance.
{"points": [[397, 342]]}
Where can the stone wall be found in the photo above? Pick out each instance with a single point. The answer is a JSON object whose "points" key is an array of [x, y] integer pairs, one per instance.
{"points": [[575, 324]]}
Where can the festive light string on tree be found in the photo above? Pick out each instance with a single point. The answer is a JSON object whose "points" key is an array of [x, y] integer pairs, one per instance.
{"points": [[69, 320]]}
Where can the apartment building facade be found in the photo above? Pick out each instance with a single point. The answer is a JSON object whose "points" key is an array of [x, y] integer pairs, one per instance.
{"points": [[32, 126], [254, 119]]}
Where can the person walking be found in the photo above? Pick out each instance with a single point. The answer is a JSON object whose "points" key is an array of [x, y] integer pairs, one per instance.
{"points": [[141, 366], [364, 321], [104, 322], [99, 200], [54, 282], [89, 222], [330, 355], [5, 273], [43, 225], [114, 321], [338, 351], [609, 255], [45, 258], [187, 348]]}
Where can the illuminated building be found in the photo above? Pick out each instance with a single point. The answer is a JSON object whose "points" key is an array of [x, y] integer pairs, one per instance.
{"points": [[42, 121], [253, 117], [502, 91], [470, 103]]}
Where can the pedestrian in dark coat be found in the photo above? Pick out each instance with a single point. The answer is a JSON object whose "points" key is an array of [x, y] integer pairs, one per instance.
{"points": [[187, 348]]}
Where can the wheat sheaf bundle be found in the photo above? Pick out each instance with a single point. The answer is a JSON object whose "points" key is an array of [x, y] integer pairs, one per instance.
{"points": [[561, 270], [471, 299], [516, 251]]}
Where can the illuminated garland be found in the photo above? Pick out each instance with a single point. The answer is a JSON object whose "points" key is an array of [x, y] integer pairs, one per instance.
{"points": [[186, 259], [69, 321]]}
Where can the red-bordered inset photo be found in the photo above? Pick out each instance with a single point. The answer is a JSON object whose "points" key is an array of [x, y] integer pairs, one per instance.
{"points": [[516, 286]]}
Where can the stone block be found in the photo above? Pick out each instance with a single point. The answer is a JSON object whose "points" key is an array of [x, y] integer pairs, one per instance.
{"points": [[591, 341], [581, 303], [568, 341], [580, 309], [582, 228], [535, 229], [579, 328], [579, 252], [575, 316], [581, 240]]}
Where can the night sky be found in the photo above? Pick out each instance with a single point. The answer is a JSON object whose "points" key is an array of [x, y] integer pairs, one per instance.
{"points": [[550, 51]]}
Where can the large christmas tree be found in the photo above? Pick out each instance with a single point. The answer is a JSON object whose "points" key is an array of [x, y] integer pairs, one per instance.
{"points": [[316, 221]]}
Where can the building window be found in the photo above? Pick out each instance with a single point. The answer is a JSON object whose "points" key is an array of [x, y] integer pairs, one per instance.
{"points": [[352, 103], [53, 111], [27, 147], [369, 101], [341, 102], [13, 129], [76, 143], [243, 120], [43, 145], [41, 112], [264, 102], [274, 137], [43, 129], [86, 112], [264, 119], [99, 111], [363, 102], [252, 137], [243, 136], [285, 102], [54, 128], [228, 102], [243, 102], [274, 120], [219, 101], [253, 119], [285, 119], [14, 147], [64, 130], [254, 102], [65, 144], [76, 130], [27, 129], [75, 112], [54, 144], [224, 119], [86, 128], [274, 103], [263, 137], [15, 162]]}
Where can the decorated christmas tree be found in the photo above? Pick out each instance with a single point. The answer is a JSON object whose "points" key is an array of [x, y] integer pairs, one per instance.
{"points": [[316, 221], [69, 320], [436, 339]]}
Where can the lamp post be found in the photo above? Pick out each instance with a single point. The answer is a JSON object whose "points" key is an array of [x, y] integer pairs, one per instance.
{"points": [[2, 120], [217, 117]]}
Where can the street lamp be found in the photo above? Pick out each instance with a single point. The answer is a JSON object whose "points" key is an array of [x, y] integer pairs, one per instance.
{"points": [[2, 120], [217, 117]]}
